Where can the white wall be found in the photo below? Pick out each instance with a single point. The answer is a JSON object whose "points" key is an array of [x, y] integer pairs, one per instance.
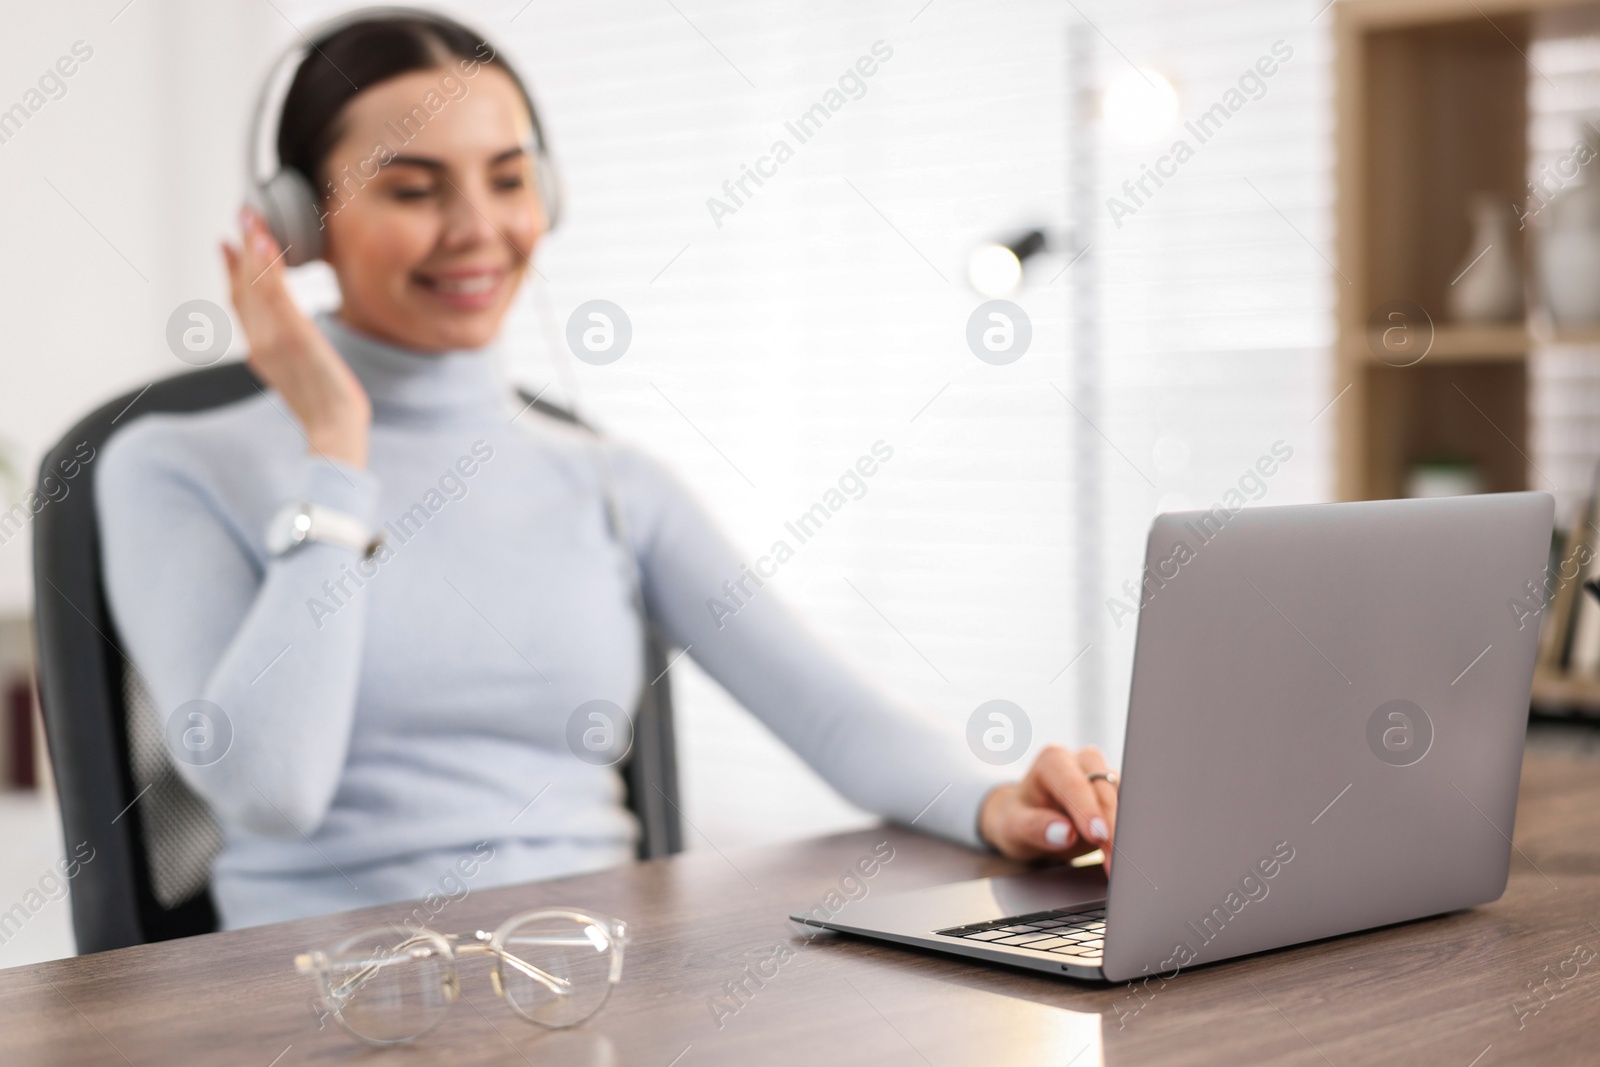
{"points": [[1218, 292], [812, 323], [1564, 379], [115, 196]]}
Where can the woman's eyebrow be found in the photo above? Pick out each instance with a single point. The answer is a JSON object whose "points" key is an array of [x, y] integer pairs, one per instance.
{"points": [[415, 161], [428, 163]]}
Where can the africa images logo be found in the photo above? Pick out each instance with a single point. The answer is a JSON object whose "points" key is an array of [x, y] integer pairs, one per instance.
{"points": [[1399, 733]]}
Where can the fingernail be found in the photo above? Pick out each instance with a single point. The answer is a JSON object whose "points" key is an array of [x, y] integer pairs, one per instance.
{"points": [[1097, 829], [1056, 833]]}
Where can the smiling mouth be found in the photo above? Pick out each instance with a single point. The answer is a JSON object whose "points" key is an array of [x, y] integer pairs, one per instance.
{"points": [[468, 285]]}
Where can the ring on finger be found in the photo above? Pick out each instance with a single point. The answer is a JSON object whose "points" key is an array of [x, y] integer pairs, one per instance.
{"points": [[1111, 778]]}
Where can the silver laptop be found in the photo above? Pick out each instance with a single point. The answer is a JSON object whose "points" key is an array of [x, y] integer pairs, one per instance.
{"points": [[1324, 735]]}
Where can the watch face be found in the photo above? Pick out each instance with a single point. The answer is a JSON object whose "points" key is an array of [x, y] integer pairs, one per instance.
{"points": [[288, 528]]}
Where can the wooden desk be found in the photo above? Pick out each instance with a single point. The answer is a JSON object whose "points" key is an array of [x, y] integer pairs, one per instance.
{"points": [[1439, 992]]}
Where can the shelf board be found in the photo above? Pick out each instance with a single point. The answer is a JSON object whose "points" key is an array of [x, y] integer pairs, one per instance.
{"points": [[1556, 691], [1391, 14], [1465, 343], [1569, 335], [1509, 341], [1475, 343]]}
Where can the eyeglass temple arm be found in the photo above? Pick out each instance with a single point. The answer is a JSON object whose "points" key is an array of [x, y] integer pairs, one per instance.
{"points": [[559, 986], [544, 977], [309, 963]]}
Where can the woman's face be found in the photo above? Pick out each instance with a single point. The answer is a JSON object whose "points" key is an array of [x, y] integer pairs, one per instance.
{"points": [[430, 236]]}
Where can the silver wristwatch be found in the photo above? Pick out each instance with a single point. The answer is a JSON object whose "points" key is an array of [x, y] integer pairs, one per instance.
{"points": [[299, 522]]}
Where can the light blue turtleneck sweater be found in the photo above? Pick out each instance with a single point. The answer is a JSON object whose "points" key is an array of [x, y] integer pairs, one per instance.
{"points": [[386, 718]]}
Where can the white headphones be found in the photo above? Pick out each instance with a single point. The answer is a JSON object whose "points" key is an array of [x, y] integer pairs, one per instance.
{"points": [[287, 201]]}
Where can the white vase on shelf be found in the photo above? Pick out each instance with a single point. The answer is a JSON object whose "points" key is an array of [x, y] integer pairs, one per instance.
{"points": [[1569, 255], [1488, 283]]}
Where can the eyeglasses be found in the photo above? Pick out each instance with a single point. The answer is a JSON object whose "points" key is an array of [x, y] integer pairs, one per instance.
{"points": [[391, 984]]}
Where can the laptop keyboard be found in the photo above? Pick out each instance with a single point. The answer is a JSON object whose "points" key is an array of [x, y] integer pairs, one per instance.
{"points": [[1072, 933]]}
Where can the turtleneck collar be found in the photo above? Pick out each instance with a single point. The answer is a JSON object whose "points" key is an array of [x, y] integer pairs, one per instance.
{"points": [[405, 384]]}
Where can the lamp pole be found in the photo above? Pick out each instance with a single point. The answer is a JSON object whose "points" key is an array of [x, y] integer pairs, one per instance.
{"points": [[1084, 386]]}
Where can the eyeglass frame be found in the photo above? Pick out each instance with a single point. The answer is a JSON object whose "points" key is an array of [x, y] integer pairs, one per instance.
{"points": [[319, 964]]}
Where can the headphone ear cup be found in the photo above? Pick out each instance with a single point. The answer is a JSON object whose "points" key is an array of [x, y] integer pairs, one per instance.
{"points": [[548, 182], [289, 205]]}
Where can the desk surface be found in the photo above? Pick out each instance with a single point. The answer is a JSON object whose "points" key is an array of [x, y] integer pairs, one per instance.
{"points": [[1444, 991]]}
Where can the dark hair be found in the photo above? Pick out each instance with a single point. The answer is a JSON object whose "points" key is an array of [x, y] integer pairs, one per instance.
{"points": [[358, 55]]}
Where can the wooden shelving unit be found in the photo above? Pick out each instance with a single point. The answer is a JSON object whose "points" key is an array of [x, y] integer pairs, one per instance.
{"points": [[1563, 694], [1432, 108]]}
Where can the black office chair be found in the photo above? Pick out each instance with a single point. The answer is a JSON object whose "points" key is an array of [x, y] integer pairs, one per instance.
{"points": [[153, 839]]}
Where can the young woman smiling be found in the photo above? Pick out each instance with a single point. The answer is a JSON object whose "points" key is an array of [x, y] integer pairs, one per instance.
{"points": [[374, 746]]}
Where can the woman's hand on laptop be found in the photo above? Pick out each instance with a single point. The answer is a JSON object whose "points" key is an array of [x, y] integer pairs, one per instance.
{"points": [[1055, 810]]}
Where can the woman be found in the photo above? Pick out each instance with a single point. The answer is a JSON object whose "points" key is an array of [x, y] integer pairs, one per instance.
{"points": [[393, 711]]}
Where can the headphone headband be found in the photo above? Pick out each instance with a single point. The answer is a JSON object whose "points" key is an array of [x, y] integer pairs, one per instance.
{"points": [[287, 200]]}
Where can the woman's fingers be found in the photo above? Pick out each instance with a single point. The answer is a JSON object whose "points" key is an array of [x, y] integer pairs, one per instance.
{"points": [[1093, 762], [1055, 810], [283, 342], [1065, 782], [1043, 829], [269, 267], [260, 293], [289, 353], [243, 268], [243, 260], [1022, 830]]}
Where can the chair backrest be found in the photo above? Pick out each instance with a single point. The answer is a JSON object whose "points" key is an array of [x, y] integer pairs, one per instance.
{"points": [[153, 839]]}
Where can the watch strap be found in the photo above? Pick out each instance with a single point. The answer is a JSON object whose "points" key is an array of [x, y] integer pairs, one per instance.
{"points": [[300, 522]]}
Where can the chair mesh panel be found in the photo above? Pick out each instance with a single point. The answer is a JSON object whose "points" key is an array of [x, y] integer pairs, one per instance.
{"points": [[180, 835]]}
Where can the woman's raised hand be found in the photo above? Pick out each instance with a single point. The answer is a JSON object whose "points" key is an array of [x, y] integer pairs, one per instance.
{"points": [[1055, 810], [290, 354]]}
